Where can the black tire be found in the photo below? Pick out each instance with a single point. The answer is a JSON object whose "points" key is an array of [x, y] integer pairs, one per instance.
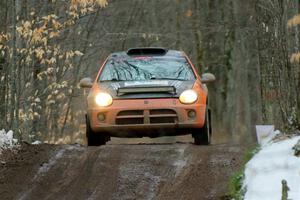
{"points": [[93, 138], [202, 136]]}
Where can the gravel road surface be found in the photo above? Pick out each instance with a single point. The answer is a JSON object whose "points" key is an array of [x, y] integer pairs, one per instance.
{"points": [[164, 171]]}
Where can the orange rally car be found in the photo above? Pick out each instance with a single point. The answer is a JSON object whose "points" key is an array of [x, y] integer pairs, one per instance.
{"points": [[147, 92]]}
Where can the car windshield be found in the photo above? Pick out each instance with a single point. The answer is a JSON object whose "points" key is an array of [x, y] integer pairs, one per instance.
{"points": [[147, 68]]}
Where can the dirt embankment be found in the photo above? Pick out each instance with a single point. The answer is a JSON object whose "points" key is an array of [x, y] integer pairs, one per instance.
{"points": [[144, 171]]}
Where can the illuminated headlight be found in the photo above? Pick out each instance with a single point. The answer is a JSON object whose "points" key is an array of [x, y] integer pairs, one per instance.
{"points": [[188, 97], [103, 99]]}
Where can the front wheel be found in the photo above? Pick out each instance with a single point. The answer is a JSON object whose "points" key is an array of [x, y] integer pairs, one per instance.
{"points": [[202, 136], [94, 139]]}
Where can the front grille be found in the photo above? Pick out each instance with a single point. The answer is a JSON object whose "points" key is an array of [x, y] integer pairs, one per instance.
{"points": [[129, 121], [162, 112], [130, 117], [162, 120], [162, 116], [155, 116], [130, 112]]}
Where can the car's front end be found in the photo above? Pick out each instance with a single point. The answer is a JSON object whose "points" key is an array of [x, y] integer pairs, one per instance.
{"points": [[140, 93], [148, 116]]}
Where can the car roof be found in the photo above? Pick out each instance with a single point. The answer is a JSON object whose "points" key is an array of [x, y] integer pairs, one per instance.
{"points": [[149, 51]]}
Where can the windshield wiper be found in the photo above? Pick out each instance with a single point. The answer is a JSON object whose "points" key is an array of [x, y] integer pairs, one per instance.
{"points": [[112, 80], [177, 79]]}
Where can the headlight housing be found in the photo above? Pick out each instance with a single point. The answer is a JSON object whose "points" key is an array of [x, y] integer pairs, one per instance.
{"points": [[188, 97], [103, 99]]}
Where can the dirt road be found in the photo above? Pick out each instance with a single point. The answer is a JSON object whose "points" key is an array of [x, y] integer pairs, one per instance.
{"points": [[118, 171]]}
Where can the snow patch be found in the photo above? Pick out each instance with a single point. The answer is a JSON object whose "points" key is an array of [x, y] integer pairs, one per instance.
{"points": [[7, 140], [37, 142], [180, 163], [153, 187], [42, 171], [265, 171], [45, 167]]}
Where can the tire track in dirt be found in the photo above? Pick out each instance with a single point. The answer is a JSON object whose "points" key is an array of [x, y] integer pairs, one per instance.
{"points": [[144, 171], [141, 172]]}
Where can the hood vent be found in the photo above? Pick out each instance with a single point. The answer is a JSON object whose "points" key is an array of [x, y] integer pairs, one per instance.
{"points": [[136, 90]]}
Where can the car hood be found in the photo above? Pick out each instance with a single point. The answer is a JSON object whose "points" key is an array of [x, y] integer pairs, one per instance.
{"points": [[146, 89]]}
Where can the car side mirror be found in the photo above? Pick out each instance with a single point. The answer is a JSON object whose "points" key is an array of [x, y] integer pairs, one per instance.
{"points": [[207, 78], [86, 83]]}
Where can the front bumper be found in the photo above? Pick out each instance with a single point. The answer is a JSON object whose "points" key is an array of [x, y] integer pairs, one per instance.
{"points": [[147, 117]]}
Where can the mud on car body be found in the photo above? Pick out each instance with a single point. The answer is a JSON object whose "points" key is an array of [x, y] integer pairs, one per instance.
{"points": [[147, 92]]}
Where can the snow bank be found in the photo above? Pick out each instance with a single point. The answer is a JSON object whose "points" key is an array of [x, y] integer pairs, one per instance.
{"points": [[7, 140], [37, 142], [265, 171]]}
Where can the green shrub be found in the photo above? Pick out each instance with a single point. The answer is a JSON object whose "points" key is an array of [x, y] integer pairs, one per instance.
{"points": [[236, 190]]}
